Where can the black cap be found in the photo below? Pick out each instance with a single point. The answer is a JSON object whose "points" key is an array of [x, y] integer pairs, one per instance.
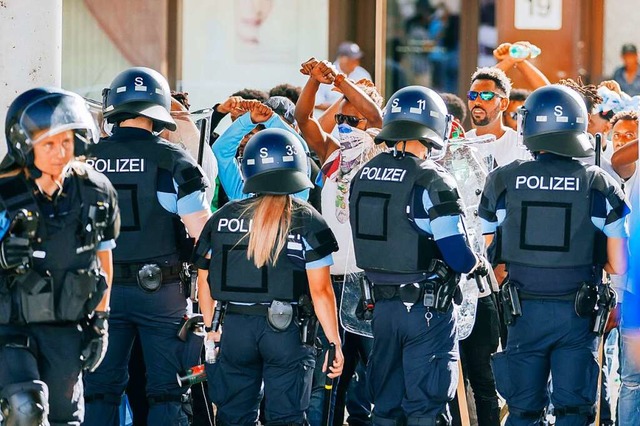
{"points": [[629, 48], [350, 50]]}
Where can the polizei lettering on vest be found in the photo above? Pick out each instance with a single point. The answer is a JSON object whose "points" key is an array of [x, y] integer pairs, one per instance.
{"points": [[118, 165], [234, 225], [384, 174], [548, 183]]}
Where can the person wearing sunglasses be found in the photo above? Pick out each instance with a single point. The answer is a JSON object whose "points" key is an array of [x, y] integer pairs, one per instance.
{"points": [[355, 113], [488, 99]]}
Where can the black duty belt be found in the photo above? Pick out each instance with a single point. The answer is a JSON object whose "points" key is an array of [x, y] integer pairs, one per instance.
{"points": [[128, 273], [563, 297], [382, 292], [257, 310]]}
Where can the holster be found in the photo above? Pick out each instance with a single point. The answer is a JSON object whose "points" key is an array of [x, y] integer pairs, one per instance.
{"points": [[307, 320], [510, 300], [364, 310], [280, 315], [586, 299], [607, 299], [150, 277], [445, 282]]}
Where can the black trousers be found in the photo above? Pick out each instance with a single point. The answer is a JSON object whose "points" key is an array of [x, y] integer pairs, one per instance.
{"points": [[475, 354]]}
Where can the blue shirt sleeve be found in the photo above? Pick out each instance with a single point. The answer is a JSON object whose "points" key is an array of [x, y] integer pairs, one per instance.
{"points": [[227, 144], [5, 224], [320, 263], [448, 232], [224, 149], [106, 245], [488, 226], [190, 203], [600, 209]]}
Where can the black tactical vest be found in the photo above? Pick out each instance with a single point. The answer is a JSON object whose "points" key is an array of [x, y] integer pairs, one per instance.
{"points": [[149, 233], [548, 213], [63, 283], [235, 278], [381, 200]]}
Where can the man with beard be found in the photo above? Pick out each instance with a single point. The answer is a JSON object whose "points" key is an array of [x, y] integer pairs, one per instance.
{"points": [[359, 110], [488, 98]]}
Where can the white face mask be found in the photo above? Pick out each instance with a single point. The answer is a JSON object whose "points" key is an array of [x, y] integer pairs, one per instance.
{"points": [[353, 144], [355, 149]]}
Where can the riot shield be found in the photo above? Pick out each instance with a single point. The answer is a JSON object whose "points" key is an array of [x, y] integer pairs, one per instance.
{"points": [[469, 166], [356, 306]]}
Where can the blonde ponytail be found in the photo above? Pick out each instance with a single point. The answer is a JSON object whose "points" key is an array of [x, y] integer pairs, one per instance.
{"points": [[271, 219]]}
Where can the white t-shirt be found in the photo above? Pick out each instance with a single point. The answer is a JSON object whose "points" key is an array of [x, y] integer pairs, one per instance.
{"points": [[505, 149], [344, 260]]}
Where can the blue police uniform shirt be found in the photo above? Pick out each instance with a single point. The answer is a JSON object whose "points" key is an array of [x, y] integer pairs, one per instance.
{"points": [[227, 144], [550, 280]]}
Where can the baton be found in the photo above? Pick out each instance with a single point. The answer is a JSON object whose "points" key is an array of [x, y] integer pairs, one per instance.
{"points": [[328, 386], [598, 148]]}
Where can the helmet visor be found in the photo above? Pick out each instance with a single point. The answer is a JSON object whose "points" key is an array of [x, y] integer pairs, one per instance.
{"points": [[57, 113]]}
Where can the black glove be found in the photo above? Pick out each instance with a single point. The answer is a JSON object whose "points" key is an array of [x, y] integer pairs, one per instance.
{"points": [[94, 340], [481, 267], [14, 252]]}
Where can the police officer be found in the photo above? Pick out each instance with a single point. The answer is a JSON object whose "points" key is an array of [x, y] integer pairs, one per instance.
{"points": [[264, 254], [406, 219], [58, 223], [161, 190], [543, 218]]}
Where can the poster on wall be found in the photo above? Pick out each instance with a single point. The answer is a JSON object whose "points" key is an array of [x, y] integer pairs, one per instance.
{"points": [[265, 30], [538, 14]]}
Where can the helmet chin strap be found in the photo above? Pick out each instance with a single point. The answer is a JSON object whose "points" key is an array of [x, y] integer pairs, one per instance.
{"points": [[401, 153]]}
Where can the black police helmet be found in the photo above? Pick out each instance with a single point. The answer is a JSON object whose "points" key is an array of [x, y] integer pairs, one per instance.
{"points": [[554, 119], [139, 91], [275, 162], [415, 113], [42, 112]]}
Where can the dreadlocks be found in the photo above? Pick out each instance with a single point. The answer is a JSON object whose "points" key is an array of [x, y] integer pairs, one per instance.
{"points": [[588, 91]]}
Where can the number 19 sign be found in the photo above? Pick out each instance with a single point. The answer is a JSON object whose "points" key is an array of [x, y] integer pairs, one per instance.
{"points": [[538, 14]]}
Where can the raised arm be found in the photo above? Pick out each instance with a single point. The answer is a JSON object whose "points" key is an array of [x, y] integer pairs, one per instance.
{"points": [[534, 76], [321, 142]]}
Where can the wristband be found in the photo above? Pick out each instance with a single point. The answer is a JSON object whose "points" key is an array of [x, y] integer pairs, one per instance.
{"points": [[339, 79], [208, 329]]}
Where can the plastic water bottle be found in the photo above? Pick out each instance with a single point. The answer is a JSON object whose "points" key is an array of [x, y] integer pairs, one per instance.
{"points": [[520, 51], [210, 353]]}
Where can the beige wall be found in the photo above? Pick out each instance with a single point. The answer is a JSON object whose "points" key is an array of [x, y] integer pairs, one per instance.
{"points": [[621, 25], [89, 59], [219, 57]]}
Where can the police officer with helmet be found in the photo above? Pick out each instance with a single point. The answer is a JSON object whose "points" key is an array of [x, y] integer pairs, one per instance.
{"points": [[556, 224], [410, 240], [58, 224], [265, 255], [161, 191]]}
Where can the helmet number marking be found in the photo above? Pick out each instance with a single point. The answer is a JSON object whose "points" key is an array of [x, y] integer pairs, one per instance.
{"points": [[394, 106], [291, 150], [422, 105], [139, 84]]}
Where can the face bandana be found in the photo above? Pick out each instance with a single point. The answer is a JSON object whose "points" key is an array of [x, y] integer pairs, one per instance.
{"points": [[356, 148]]}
